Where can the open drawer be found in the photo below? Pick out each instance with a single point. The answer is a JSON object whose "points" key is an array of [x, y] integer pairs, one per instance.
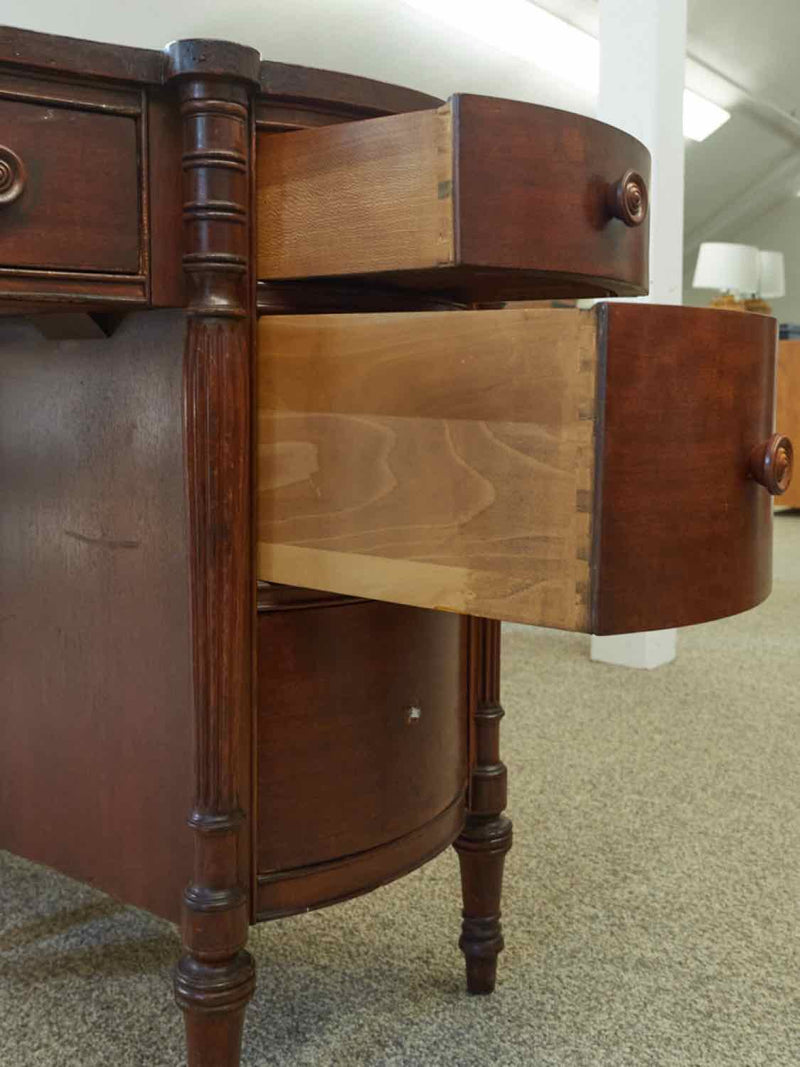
{"points": [[480, 199], [547, 466]]}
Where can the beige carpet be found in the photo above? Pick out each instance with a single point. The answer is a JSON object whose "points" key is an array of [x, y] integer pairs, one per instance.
{"points": [[652, 912]]}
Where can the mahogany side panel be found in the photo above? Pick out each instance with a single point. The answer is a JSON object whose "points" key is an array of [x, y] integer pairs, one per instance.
{"points": [[95, 730], [685, 534]]}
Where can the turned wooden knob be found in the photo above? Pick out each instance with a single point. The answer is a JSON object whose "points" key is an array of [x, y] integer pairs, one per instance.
{"points": [[771, 464], [12, 175], [628, 199]]}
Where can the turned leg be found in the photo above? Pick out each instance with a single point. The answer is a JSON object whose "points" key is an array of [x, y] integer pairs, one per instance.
{"points": [[486, 837], [215, 978]]}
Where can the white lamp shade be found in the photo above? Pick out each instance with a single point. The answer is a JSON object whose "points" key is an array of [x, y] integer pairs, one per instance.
{"points": [[727, 267], [771, 275]]}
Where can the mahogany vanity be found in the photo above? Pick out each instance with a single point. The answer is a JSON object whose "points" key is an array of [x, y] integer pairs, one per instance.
{"points": [[263, 329]]}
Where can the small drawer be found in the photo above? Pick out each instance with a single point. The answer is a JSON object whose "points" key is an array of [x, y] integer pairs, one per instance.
{"points": [[554, 467], [481, 199], [362, 728], [69, 192]]}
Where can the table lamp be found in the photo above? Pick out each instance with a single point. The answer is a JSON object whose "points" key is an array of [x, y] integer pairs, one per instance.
{"points": [[731, 269], [771, 282]]}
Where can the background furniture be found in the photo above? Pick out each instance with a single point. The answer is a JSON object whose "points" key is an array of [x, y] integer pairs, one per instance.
{"points": [[788, 406], [152, 207]]}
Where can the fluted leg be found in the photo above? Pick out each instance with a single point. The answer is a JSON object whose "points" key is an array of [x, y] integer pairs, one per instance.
{"points": [[486, 837], [215, 978]]}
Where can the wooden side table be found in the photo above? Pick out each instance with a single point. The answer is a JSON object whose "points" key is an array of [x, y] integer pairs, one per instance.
{"points": [[246, 342]]}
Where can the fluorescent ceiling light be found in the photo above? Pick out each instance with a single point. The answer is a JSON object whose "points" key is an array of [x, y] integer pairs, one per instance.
{"points": [[700, 117], [550, 43]]}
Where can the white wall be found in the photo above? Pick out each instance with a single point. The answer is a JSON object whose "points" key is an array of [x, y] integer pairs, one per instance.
{"points": [[779, 230], [383, 39]]}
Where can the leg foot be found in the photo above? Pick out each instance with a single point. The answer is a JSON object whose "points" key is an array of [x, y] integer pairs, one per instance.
{"points": [[481, 849], [213, 998], [486, 837]]}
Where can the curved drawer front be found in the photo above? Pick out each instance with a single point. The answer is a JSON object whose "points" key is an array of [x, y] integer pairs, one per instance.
{"points": [[483, 199], [548, 466], [685, 535], [362, 728]]}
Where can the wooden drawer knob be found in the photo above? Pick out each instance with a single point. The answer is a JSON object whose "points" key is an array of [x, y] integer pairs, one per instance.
{"points": [[771, 464], [628, 199], [12, 175]]}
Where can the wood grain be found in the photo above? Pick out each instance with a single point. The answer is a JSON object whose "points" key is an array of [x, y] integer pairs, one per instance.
{"points": [[448, 461], [289, 892], [483, 199], [96, 723], [81, 166], [532, 192], [390, 180], [215, 978], [321, 91], [788, 410], [368, 778], [685, 533], [442, 460]]}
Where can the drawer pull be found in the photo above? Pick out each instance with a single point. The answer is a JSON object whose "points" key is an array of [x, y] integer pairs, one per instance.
{"points": [[771, 464], [12, 175], [628, 199]]}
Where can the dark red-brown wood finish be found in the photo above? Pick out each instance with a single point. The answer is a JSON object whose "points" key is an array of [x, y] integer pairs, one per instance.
{"points": [[137, 196], [189, 111], [96, 726], [486, 837], [684, 417], [383, 792], [215, 979], [514, 218]]}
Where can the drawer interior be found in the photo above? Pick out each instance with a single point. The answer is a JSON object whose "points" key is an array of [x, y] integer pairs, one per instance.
{"points": [[480, 199], [540, 465]]}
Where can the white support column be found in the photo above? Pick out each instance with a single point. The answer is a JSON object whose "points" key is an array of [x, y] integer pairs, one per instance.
{"points": [[642, 59]]}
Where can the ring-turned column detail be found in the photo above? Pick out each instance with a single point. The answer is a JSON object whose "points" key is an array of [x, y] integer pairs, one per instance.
{"points": [[215, 978], [486, 837]]}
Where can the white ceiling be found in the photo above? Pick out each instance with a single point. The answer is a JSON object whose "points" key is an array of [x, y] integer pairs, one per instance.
{"points": [[752, 165], [755, 44], [745, 56]]}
